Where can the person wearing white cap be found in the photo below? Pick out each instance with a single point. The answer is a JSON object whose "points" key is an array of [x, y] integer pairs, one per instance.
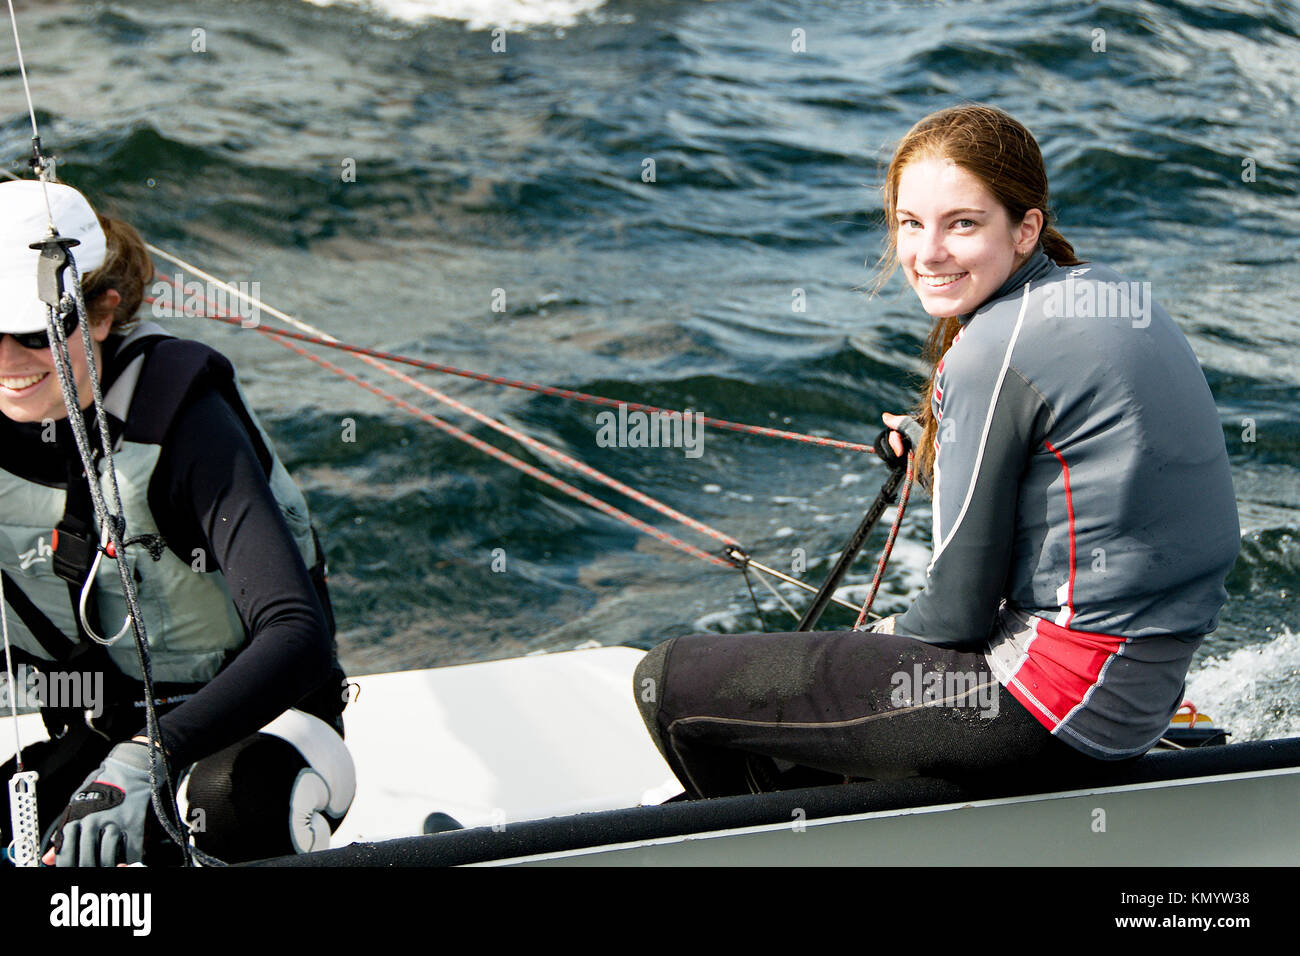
{"points": [[29, 389], [229, 574]]}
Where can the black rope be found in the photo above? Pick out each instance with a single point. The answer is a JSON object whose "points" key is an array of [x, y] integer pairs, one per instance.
{"points": [[744, 569], [162, 787], [153, 543]]}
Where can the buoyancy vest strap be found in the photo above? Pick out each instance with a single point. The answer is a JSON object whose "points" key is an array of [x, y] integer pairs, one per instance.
{"points": [[136, 345], [52, 640], [75, 538]]}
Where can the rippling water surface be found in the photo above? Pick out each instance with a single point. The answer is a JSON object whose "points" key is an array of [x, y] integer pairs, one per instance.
{"points": [[223, 130]]}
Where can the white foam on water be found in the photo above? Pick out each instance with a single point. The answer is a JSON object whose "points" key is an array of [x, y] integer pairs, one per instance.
{"points": [[1252, 691], [727, 621], [908, 560], [480, 14]]}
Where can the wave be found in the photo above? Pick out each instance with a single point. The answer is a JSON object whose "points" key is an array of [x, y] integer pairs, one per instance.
{"points": [[1252, 691], [479, 14]]}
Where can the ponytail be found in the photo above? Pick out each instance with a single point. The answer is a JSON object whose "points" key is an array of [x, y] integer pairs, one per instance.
{"points": [[1057, 248]]}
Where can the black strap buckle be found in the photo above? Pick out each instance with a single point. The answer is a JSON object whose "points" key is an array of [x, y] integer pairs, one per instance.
{"points": [[74, 551]]}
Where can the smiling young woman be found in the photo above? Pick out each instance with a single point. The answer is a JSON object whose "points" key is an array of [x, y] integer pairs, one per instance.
{"points": [[229, 575], [29, 388], [960, 154], [1084, 518]]}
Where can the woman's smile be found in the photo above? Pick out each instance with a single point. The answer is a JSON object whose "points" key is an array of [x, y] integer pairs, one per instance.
{"points": [[29, 389], [940, 281], [17, 385]]}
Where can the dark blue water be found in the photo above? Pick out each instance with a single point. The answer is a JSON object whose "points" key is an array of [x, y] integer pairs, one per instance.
{"points": [[521, 171]]}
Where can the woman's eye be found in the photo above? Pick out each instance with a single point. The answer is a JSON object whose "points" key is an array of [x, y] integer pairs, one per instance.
{"points": [[909, 223], [965, 223]]}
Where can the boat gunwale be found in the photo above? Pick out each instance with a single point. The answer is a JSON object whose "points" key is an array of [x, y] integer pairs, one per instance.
{"points": [[886, 814], [676, 821]]}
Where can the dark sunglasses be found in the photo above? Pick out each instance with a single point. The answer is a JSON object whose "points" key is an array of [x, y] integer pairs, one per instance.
{"points": [[41, 339]]}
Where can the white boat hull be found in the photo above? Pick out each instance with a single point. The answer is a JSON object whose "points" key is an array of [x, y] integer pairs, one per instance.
{"points": [[1242, 819], [544, 760]]}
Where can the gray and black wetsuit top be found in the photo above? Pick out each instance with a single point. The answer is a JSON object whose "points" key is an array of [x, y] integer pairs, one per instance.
{"points": [[1084, 516]]}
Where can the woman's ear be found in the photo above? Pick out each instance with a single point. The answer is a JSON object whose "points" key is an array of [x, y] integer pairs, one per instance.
{"points": [[1026, 234], [101, 313]]}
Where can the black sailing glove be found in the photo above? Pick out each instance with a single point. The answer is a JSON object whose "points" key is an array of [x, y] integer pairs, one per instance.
{"points": [[104, 822], [910, 432]]}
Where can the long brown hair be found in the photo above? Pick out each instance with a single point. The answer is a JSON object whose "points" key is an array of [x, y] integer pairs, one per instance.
{"points": [[1004, 156], [127, 268]]}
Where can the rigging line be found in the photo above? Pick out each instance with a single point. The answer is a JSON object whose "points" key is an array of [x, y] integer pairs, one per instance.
{"points": [[736, 556], [550, 390], [779, 596], [31, 112], [22, 68], [511, 460], [13, 685], [741, 559], [59, 350], [538, 446], [889, 543], [162, 788], [757, 610]]}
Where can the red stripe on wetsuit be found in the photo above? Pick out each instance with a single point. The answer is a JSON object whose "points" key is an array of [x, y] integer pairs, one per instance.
{"points": [[1062, 666]]}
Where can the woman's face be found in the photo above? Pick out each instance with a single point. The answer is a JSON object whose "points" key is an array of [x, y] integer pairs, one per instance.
{"points": [[956, 243], [29, 387]]}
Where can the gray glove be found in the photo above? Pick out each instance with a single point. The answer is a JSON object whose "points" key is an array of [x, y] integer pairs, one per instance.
{"points": [[104, 822]]}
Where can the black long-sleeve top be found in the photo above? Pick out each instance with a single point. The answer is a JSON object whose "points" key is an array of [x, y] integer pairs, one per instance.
{"points": [[209, 492]]}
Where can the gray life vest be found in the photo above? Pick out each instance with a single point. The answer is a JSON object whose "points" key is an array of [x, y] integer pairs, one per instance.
{"points": [[190, 618]]}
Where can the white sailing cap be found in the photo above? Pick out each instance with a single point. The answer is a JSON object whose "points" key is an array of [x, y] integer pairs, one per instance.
{"points": [[24, 219]]}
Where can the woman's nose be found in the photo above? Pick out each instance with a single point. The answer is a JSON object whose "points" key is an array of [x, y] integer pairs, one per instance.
{"points": [[12, 354], [932, 247], [10, 349]]}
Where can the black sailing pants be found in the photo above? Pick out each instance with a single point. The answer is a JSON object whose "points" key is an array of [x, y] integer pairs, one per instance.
{"points": [[742, 713]]}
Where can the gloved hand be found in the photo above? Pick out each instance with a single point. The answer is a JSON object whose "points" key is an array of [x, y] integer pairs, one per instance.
{"points": [[884, 626], [890, 444], [104, 822]]}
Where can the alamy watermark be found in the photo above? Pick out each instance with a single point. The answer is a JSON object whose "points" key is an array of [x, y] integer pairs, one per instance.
{"points": [[638, 429], [78, 908], [34, 689], [1091, 299], [178, 296], [927, 687]]}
